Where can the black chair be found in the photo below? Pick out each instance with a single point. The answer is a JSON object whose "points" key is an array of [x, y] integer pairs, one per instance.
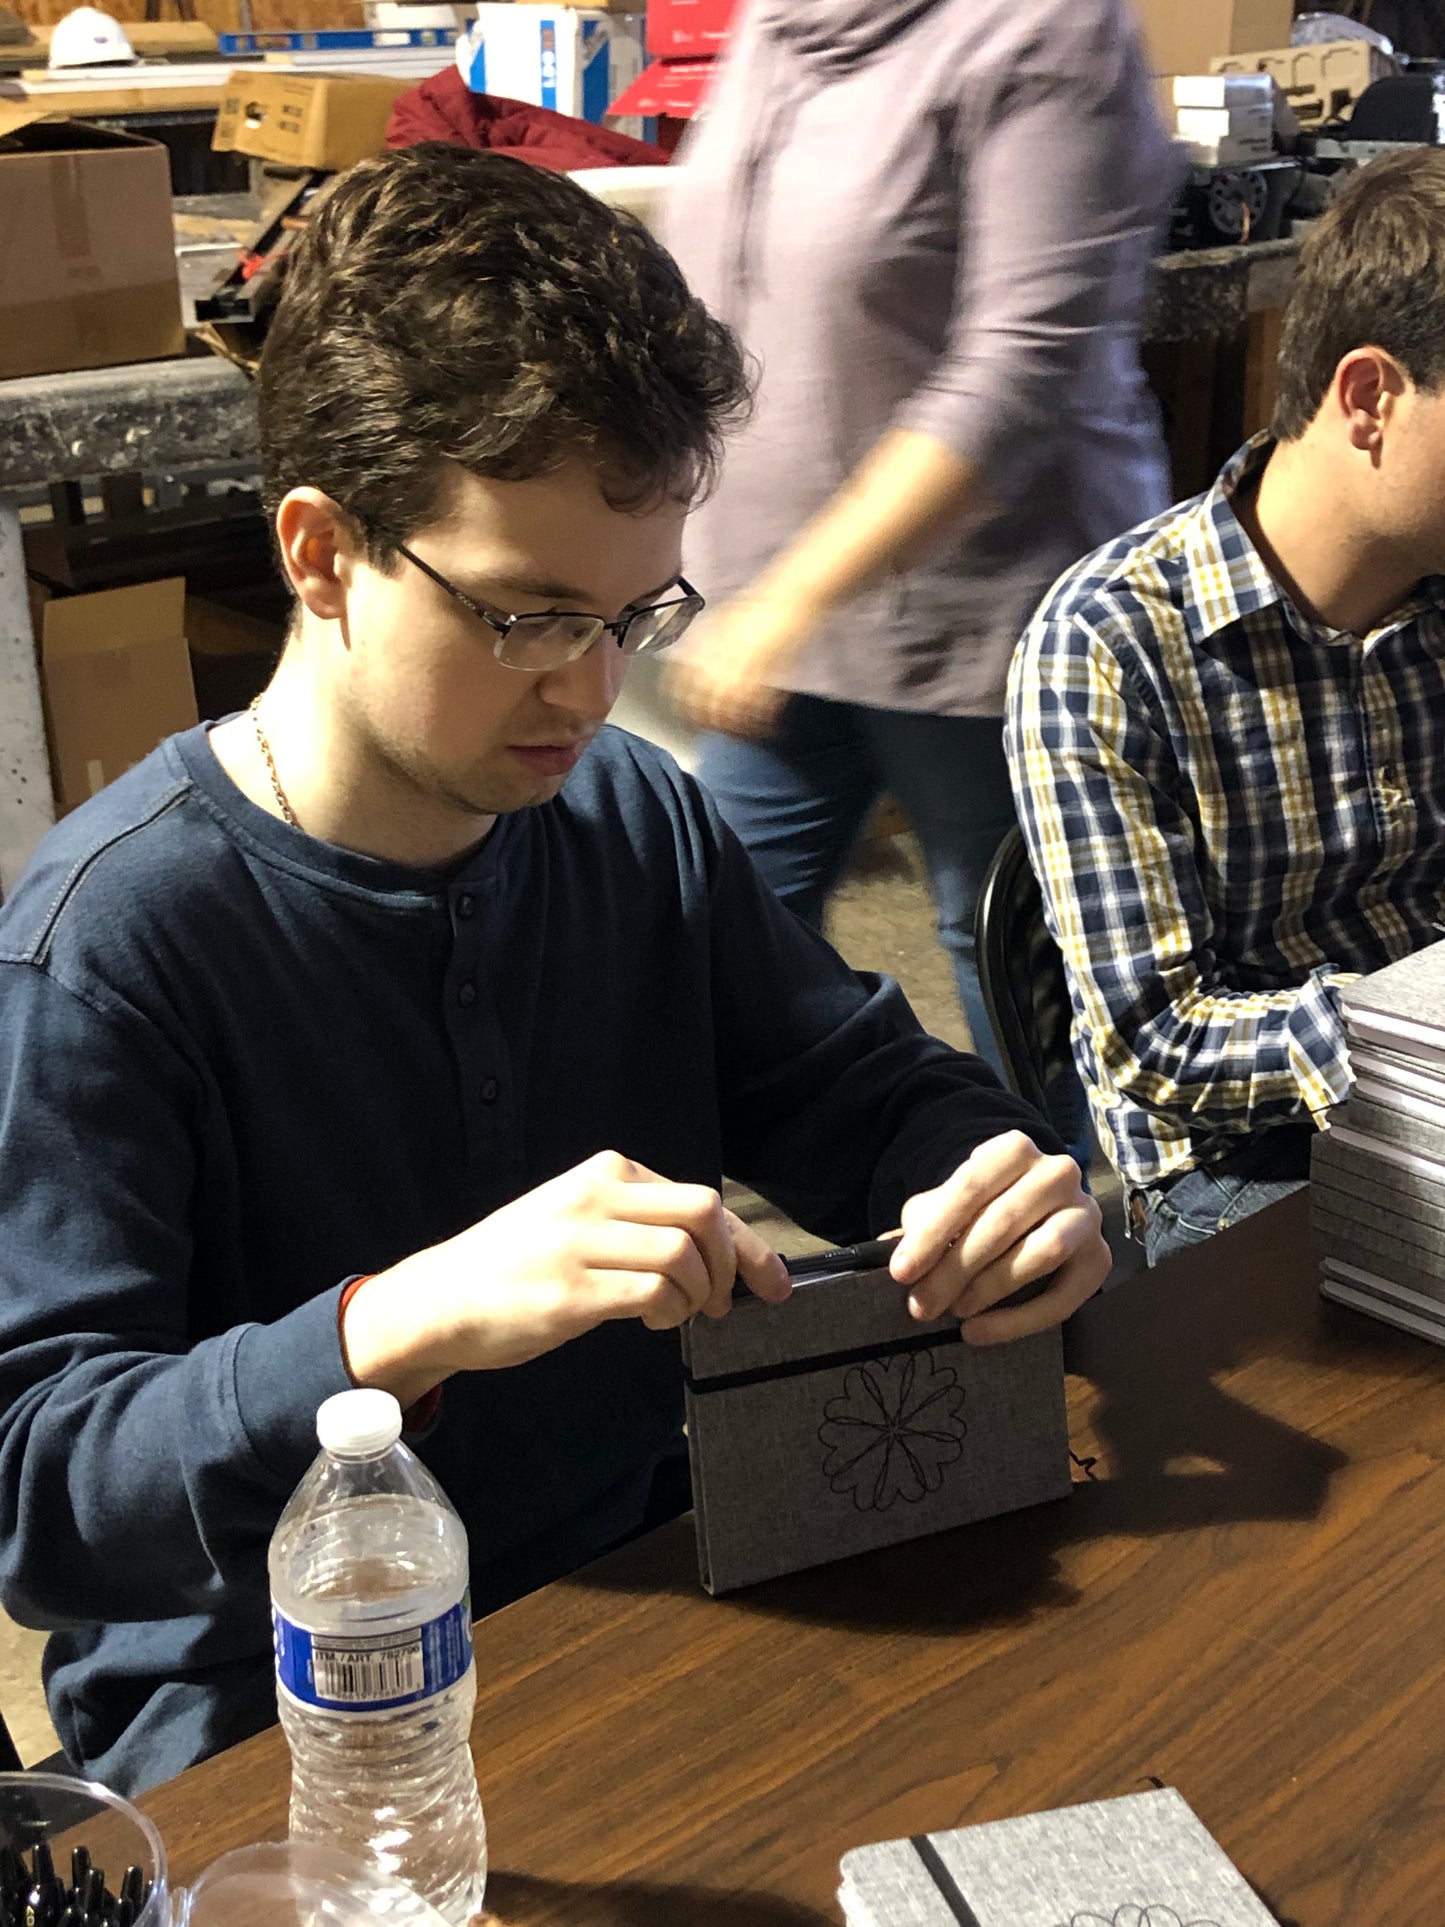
{"points": [[1021, 974]]}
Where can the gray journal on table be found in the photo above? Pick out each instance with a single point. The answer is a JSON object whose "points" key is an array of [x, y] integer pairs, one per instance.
{"points": [[1145, 1860], [836, 1423], [1412, 989]]}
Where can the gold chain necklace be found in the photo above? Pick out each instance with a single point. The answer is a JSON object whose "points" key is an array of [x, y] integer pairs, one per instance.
{"points": [[265, 748]]}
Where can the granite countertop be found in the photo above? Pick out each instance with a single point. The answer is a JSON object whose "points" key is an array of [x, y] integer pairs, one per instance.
{"points": [[1209, 291]]}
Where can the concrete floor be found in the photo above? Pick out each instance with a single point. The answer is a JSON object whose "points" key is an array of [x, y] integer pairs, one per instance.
{"points": [[882, 919]]}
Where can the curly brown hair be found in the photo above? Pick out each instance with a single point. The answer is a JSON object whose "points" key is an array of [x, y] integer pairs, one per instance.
{"points": [[1371, 274], [445, 305]]}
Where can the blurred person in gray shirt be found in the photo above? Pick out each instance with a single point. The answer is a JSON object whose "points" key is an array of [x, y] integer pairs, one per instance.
{"points": [[931, 222]]}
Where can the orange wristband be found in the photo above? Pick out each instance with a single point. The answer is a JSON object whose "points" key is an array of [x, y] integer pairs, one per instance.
{"points": [[416, 1418]]}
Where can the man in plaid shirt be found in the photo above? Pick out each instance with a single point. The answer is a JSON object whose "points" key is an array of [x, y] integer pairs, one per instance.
{"points": [[1227, 737]]}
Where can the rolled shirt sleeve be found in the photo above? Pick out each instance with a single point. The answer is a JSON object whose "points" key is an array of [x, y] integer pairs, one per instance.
{"points": [[1067, 175]]}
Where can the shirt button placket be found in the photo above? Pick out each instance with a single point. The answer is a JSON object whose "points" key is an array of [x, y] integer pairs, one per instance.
{"points": [[473, 1033]]}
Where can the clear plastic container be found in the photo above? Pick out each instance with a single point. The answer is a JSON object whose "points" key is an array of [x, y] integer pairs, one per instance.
{"points": [[65, 1814], [300, 1884], [375, 1678]]}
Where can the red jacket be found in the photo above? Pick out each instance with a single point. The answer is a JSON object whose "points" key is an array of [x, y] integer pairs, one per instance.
{"points": [[445, 109]]}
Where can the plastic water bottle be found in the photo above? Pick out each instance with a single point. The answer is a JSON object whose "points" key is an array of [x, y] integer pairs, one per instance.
{"points": [[374, 1671]]}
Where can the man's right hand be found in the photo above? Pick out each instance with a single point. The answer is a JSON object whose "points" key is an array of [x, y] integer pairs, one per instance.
{"points": [[608, 1239]]}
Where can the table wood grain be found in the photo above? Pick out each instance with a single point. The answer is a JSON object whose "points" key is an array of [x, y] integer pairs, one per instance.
{"points": [[1243, 1601]]}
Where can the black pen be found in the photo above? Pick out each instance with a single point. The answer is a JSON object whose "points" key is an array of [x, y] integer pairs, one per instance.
{"points": [[871, 1255]]}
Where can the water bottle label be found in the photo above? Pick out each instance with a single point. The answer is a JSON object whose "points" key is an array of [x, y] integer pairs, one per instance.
{"points": [[344, 1673]]}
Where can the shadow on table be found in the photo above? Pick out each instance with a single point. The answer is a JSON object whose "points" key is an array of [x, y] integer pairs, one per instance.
{"points": [[1182, 1451], [1280, 1919], [526, 1900]]}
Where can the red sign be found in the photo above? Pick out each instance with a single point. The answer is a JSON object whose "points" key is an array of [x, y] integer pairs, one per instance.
{"points": [[683, 29], [670, 87]]}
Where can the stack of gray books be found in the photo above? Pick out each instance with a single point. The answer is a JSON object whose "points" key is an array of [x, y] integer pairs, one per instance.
{"points": [[1378, 1174], [1145, 1860]]}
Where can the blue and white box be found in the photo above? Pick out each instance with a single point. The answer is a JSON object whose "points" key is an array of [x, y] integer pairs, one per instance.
{"points": [[576, 60]]}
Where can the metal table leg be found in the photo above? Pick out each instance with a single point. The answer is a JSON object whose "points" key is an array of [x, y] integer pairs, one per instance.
{"points": [[27, 808]]}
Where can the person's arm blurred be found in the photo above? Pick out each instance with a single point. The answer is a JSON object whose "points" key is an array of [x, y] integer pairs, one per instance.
{"points": [[1057, 220]]}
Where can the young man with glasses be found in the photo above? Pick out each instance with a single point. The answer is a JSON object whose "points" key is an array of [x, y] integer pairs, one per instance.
{"points": [[342, 1043]]}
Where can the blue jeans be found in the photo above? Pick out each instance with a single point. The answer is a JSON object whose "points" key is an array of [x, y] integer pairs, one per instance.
{"points": [[1216, 1196], [798, 800]]}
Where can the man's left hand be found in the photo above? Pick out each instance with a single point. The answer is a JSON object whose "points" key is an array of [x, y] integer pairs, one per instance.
{"points": [[728, 679], [1007, 1217]]}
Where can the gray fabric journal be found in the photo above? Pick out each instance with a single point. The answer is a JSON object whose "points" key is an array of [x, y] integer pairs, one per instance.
{"points": [[1377, 1193], [1143, 1861], [1357, 1178], [836, 1423], [1378, 1209], [1344, 1232], [1393, 1301], [1392, 1126], [1412, 989]]}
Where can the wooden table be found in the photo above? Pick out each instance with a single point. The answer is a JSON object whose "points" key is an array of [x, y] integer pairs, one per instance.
{"points": [[1245, 1603]]}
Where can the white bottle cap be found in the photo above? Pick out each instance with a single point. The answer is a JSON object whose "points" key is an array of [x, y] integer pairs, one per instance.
{"points": [[359, 1424]]}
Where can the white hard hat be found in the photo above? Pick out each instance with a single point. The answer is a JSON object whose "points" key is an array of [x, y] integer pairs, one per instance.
{"points": [[87, 37]]}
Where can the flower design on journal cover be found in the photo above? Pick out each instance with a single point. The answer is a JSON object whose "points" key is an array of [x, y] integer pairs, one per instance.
{"points": [[891, 1431], [1131, 1916]]}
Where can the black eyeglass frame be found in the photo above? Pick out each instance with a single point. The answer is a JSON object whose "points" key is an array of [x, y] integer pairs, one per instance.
{"points": [[504, 624]]}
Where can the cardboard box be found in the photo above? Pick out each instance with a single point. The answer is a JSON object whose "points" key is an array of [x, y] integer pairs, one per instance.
{"points": [[1184, 36], [232, 655], [678, 29], [1320, 82], [305, 119], [115, 678], [87, 250], [572, 59]]}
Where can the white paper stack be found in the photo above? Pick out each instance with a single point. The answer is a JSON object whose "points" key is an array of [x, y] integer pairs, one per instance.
{"points": [[1377, 1177], [1225, 120]]}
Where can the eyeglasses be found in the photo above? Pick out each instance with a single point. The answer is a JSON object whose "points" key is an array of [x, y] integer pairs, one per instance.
{"points": [[555, 637]]}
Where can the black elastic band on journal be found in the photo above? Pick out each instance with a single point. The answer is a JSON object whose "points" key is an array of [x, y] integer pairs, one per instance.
{"points": [[944, 1881], [827, 1362]]}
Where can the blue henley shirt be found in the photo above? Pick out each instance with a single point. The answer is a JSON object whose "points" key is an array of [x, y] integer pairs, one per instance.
{"points": [[238, 1066]]}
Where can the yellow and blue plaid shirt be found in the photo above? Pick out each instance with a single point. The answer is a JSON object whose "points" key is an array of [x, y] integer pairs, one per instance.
{"points": [[1232, 810]]}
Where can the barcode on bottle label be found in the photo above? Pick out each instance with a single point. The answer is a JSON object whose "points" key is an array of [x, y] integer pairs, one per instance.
{"points": [[371, 1675], [342, 1673]]}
